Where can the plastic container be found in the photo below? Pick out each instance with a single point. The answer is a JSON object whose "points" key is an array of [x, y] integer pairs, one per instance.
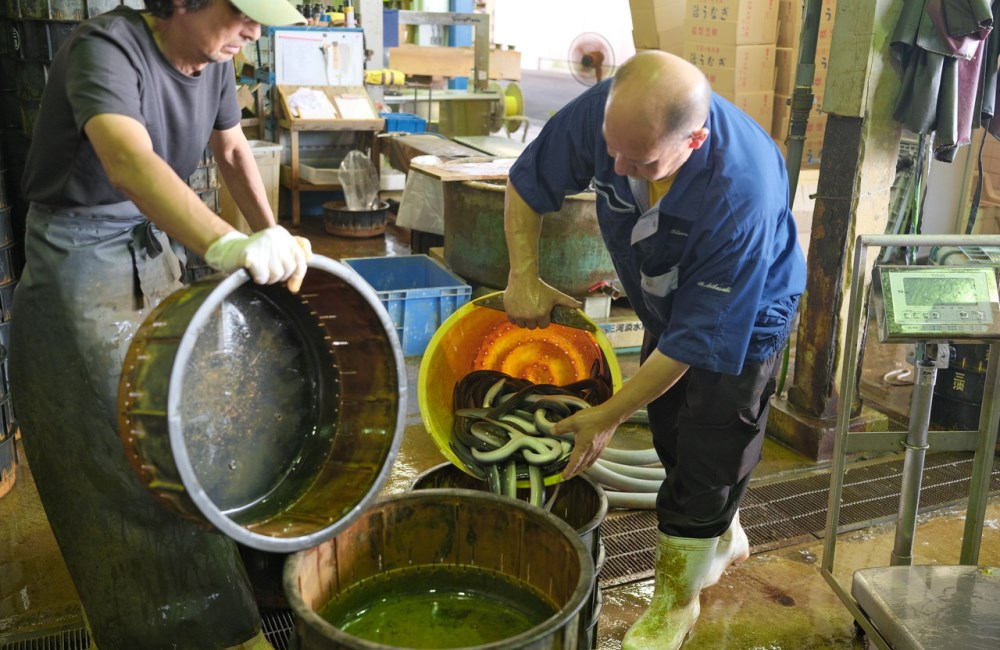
{"points": [[481, 338], [405, 122], [417, 291], [266, 155], [439, 529], [320, 172]]}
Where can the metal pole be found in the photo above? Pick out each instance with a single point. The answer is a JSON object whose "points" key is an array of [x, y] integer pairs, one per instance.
{"points": [[847, 383], [925, 362], [802, 94], [982, 463]]}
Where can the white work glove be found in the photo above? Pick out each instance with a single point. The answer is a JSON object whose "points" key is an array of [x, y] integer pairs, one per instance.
{"points": [[271, 255]]}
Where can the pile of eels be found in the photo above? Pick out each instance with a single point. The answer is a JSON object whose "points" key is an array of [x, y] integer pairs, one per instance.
{"points": [[503, 428]]}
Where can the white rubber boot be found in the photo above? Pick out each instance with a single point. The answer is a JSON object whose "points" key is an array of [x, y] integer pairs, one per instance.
{"points": [[734, 547], [683, 565]]}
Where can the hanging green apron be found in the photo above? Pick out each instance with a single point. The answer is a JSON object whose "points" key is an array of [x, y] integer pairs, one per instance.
{"points": [[147, 578]]}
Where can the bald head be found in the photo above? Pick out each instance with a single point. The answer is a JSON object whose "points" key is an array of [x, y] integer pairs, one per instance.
{"points": [[662, 92], [656, 115]]}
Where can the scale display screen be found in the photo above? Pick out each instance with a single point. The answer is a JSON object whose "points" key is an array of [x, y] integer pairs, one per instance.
{"points": [[930, 291], [937, 303]]}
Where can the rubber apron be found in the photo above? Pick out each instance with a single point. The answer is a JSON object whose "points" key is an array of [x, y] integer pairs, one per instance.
{"points": [[146, 577]]}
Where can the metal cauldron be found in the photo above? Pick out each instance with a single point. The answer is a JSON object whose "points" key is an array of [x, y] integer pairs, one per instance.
{"points": [[572, 254]]}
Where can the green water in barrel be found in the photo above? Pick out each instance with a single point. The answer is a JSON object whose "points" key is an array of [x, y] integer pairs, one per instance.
{"points": [[438, 606]]}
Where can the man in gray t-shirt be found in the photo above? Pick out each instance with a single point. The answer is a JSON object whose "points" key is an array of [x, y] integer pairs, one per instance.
{"points": [[131, 102]]}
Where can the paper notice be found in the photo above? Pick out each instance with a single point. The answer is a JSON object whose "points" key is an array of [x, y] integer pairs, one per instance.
{"points": [[354, 107], [309, 104]]}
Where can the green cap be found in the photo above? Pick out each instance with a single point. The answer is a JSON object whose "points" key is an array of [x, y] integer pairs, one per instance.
{"points": [[270, 12]]}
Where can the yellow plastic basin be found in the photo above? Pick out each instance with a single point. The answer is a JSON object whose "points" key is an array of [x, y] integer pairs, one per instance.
{"points": [[481, 338]]}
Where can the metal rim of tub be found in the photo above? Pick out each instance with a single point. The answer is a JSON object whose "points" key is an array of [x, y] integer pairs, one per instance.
{"points": [[177, 482], [449, 472], [481, 501]]}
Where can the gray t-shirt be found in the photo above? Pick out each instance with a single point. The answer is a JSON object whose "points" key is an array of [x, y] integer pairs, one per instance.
{"points": [[111, 64]]}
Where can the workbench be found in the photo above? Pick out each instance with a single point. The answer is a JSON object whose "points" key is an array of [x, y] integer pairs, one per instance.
{"points": [[365, 130]]}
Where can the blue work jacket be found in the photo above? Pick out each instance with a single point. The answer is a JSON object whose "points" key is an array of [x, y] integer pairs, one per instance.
{"points": [[714, 269]]}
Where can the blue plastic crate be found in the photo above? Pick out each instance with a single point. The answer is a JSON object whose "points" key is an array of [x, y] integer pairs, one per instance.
{"points": [[407, 122], [417, 291]]}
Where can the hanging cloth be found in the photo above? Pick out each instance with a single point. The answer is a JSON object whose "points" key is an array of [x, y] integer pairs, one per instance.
{"points": [[940, 47]]}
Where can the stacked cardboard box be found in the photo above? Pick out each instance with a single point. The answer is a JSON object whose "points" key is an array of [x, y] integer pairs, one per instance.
{"points": [[734, 43], [658, 24], [787, 59]]}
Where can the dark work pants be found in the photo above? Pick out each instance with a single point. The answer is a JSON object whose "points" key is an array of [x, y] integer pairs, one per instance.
{"points": [[708, 431]]}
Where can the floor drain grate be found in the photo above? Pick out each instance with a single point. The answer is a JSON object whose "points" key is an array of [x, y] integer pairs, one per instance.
{"points": [[775, 515], [75, 638], [278, 626], [794, 511]]}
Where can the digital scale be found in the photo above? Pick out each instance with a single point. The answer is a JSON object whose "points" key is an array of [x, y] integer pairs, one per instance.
{"points": [[926, 307], [920, 303]]}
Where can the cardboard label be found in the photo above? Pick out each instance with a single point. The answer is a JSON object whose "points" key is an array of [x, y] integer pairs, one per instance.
{"points": [[734, 68], [732, 22]]}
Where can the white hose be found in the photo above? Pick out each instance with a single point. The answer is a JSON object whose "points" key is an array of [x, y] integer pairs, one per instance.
{"points": [[614, 480], [632, 500], [631, 456], [635, 471]]}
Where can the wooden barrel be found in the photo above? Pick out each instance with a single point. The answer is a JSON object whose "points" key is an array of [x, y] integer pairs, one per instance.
{"points": [[272, 416], [580, 502], [424, 530]]}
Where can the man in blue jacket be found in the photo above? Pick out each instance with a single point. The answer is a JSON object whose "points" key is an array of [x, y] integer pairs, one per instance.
{"points": [[693, 207]]}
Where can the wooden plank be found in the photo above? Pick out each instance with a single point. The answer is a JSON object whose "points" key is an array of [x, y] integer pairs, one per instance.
{"points": [[403, 148], [437, 61], [471, 169]]}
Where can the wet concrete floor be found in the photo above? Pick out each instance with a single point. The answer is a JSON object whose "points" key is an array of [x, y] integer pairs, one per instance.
{"points": [[776, 600]]}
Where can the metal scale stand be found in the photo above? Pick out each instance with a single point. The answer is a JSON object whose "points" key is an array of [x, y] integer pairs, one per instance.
{"points": [[903, 605]]}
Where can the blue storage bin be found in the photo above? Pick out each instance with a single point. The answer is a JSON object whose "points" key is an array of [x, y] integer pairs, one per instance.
{"points": [[417, 291], [407, 122]]}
